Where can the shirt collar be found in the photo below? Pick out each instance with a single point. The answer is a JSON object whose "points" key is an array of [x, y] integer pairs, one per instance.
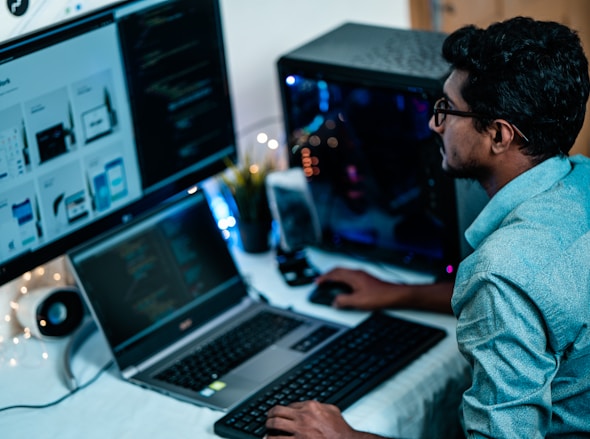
{"points": [[532, 182]]}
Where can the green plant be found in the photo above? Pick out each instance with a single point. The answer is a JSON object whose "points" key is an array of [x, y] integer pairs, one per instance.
{"points": [[246, 184]]}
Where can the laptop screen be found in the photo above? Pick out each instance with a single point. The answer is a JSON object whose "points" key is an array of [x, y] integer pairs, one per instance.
{"points": [[159, 276]]}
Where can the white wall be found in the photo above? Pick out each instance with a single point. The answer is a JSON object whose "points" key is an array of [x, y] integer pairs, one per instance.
{"points": [[257, 32]]}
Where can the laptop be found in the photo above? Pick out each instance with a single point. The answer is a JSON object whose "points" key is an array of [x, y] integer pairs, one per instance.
{"points": [[165, 286]]}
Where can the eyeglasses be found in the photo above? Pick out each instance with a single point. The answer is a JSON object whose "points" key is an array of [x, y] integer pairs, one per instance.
{"points": [[441, 109]]}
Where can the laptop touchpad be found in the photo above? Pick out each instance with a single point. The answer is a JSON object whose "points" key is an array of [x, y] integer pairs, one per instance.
{"points": [[270, 362]]}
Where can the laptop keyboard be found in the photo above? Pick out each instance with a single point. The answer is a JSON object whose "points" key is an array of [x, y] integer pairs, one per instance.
{"points": [[211, 361], [339, 373]]}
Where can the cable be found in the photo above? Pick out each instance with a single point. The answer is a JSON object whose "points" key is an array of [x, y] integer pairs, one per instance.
{"points": [[64, 397], [76, 342], [258, 294]]}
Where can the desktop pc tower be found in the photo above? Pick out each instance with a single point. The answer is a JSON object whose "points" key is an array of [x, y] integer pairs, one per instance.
{"points": [[356, 105]]}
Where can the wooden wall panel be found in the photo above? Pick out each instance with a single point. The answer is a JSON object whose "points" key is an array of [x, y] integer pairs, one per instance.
{"points": [[448, 15]]}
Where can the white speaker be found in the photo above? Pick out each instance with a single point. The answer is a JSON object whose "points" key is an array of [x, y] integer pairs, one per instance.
{"points": [[51, 312]]}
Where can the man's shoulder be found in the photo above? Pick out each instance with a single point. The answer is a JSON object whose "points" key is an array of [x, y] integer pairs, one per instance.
{"points": [[580, 159], [563, 209], [538, 231], [580, 173], [531, 238]]}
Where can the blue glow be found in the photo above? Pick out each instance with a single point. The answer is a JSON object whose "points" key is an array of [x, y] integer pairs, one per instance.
{"points": [[315, 124], [290, 80], [324, 96], [57, 313], [401, 102], [219, 207], [226, 223]]}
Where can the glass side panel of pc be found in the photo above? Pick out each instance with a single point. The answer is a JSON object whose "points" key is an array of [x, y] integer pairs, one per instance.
{"points": [[373, 166]]}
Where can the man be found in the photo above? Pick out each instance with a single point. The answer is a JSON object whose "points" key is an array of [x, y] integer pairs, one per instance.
{"points": [[513, 105]]}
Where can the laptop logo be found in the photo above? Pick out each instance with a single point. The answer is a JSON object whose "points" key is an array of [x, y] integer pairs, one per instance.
{"points": [[185, 324]]}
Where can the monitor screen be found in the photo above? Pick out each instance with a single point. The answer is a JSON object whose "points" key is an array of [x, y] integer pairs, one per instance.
{"points": [[104, 117], [21, 17], [374, 168]]}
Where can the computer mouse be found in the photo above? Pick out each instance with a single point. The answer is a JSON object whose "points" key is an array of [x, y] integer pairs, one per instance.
{"points": [[325, 292]]}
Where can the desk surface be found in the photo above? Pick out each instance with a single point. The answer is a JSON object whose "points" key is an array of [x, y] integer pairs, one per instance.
{"points": [[420, 401]]}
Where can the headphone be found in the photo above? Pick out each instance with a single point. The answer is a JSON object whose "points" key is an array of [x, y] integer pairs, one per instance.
{"points": [[56, 312], [51, 312]]}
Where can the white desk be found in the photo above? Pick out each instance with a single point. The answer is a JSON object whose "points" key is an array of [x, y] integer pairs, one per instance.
{"points": [[420, 401]]}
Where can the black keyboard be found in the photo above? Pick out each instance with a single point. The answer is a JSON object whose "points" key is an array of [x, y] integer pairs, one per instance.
{"points": [[207, 363], [340, 373]]}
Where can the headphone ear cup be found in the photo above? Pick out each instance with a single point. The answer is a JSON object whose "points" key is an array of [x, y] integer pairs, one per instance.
{"points": [[51, 312]]}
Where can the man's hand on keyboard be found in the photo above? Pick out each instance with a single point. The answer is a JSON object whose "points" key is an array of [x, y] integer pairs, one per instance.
{"points": [[310, 420]]}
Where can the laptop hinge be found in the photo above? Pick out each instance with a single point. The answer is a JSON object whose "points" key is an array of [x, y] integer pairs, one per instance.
{"points": [[129, 372]]}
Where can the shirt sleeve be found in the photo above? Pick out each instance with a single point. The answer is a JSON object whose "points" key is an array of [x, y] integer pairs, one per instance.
{"points": [[501, 333]]}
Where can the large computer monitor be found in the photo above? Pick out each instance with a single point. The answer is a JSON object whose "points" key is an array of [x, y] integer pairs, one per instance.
{"points": [[22, 17], [105, 116], [357, 103]]}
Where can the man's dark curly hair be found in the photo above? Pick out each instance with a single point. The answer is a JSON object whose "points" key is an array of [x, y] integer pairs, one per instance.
{"points": [[532, 73]]}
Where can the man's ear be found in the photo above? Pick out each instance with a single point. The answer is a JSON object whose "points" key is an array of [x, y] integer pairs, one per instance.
{"points": [[502, 135]]}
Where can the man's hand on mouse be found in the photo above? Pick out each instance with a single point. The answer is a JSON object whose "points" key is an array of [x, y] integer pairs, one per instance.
{"points": [[368, 292]]}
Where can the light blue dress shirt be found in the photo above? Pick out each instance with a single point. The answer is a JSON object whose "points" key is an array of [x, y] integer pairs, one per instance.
{"points": [[522, 300]]}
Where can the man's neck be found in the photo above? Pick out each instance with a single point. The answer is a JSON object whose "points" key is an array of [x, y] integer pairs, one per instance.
{"points": [[505, 168]]}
